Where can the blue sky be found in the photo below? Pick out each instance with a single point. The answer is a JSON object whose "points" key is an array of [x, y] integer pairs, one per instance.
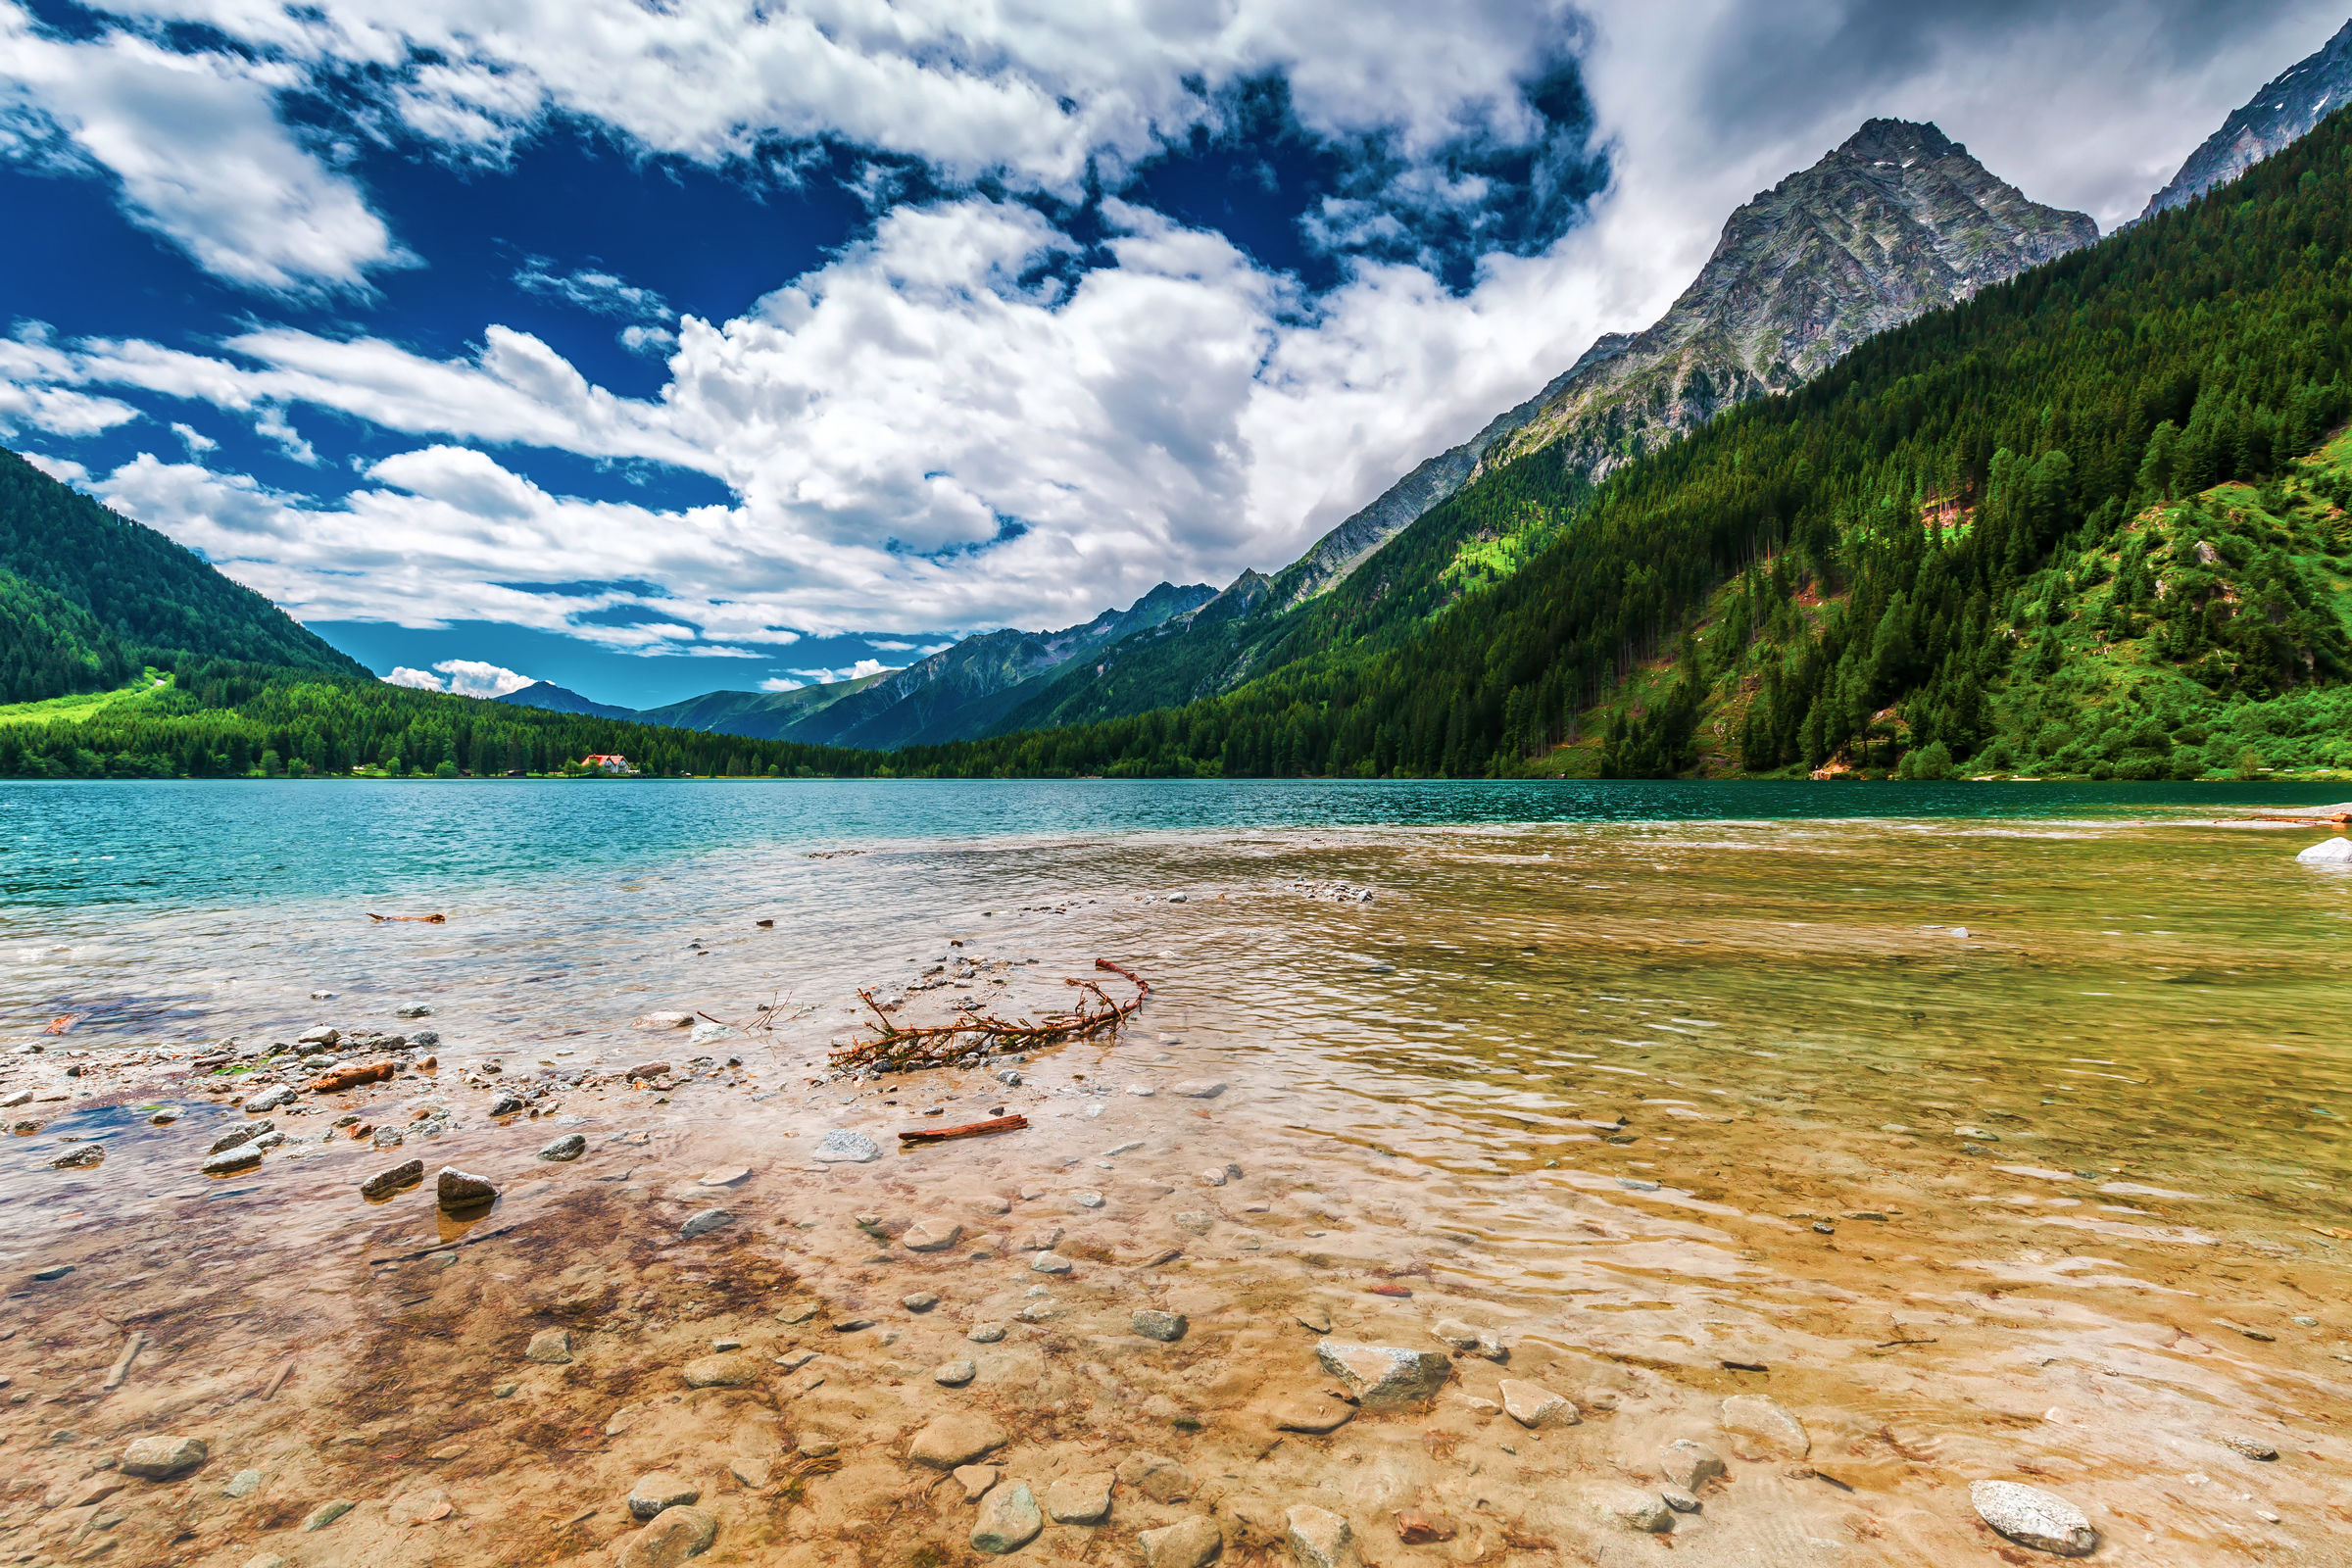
{"points": [[654, 351]]}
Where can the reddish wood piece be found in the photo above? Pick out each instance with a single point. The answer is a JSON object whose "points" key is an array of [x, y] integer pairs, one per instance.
{"points": [[970, 1129]]}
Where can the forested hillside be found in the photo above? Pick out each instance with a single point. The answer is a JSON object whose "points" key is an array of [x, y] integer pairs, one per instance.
{"points": [[1916, 541], [137, 594]]}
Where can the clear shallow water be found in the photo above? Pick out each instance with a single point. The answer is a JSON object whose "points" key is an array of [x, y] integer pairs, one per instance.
{"points": [[200, 843]]}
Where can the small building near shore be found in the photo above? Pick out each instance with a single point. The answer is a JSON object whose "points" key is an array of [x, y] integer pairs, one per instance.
{"points": [[613, 764]]}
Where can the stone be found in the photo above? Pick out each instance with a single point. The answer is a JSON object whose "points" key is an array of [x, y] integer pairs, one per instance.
{"points": [[1200, 1089], [752, 1473], [1153, 1324], [2330, 851], [1187, 1544], [1318, 1538], [268, 1560], [77, 1158], [711, 1033], [1082, 1500], [455, 1189], [163, 1458], [724, 1176], [1469, 1341], [244, 1484], [1050, 1263], [949, 1441], [1419, 1530], [1766, 1424], [655, 1022], [975, 1479], [1313, 1318], [507, 1103], [569, 1146], [326, 1513], [1315, 1412], [930, 1236], [1087, 1199], [986, 1333], [659, 1490], [1193, 1220], [1042, 1241], [2033, 1517], [816, 1448], [1384, 1376], [1213, 1178], [919, 1301], [720, 1371], [673, 1535], [400, 1178], [845, 1145], [1009, 1520], [1157, 1477], [953, 1374], [549, 1348], [1534, 1405], [418, 1507], [1689, 1465], [1678, 1499], [2251, 1447], [238, 1134], [415, 1010], [704, 1224], [264, 1101], [1630, 1508]]}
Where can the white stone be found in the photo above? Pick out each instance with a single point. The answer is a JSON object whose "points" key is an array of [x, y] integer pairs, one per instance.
{"points": [[2033, 1517], [2332, 852], [1318, 1538], [842, 1144]]}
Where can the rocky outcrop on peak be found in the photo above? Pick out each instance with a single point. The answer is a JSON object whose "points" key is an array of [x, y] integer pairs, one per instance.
{"points": [[2283, 112]]}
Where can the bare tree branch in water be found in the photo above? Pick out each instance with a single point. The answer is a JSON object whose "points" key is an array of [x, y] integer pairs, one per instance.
{"points": [[937, 1044]]}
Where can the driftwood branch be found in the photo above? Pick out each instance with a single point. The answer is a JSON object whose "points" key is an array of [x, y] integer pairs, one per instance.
{"points": [[936, 1045]]}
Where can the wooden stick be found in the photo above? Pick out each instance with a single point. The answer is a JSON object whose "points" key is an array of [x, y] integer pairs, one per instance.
{"points": [[420, 919], [122, 1367], [970, 1129], [278, 1379]]}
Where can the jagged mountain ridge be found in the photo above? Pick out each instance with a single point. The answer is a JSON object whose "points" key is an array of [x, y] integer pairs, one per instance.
{"points": [[1897, 221], [2283, 112], [757, 715], [561, 699]]}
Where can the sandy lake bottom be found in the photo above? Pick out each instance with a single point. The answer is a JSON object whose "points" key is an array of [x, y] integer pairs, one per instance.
{"points": [[1946, 1152]]}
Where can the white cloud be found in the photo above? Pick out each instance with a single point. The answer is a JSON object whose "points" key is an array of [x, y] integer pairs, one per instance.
{"points": [[202, 157], [64, 469], [195, 440], [825, 677], [778, 683], [464, 678]]}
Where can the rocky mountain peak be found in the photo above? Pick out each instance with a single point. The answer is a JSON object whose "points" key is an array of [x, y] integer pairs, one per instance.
{"points": [[1898, 142], [2283, 112]]}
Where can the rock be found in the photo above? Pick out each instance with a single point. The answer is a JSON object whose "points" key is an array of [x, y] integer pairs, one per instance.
{"points": [[1080, 1500], [458, 1189], [418, 1507], [505, 1102], [244, 1484], [1312, 1317], [320, 1037], [843, 1145], [241, 1133], [1767, 1424], [709, 1033], [1213, 1178], [752, 1473], [975, 1479], [1418, 1530], [268, 1560], [818, 1448], [1157, 1477], [2033, 1517], [654, 1022], [384, 1182], [569, 1146], [724, 1176], [704, 1224], [386, 1138], [953, 1374], [1689, 1465], [1153, 1324], [2251, 1447], [1200, 1089], [1009, 1520], [76, 1158], [1381, 1376], [1318, 1538], [1193, 1220], [326, 1513], [416, 1009], [1678, 1499], [720, 1371], [659, 1490], [1534, 1405], [1469, 1341], [919, 1301], [930, 1236], [1315, 1412], [1050, 1263], [673, 1535], [986, 1333], [949, 1441], [647, 1069], [1187, 1544], [549, 1348], [267, 1099], [2332, 852], [1630, 1508], [1087, 1200], [163, 1458], [1042, 1241]]}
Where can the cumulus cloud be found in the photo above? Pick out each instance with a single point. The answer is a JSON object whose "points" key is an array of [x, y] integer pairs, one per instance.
{"points": [[466, 677], [194, 142], [824, 678]]}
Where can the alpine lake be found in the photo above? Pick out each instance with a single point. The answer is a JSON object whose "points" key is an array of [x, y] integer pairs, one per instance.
{"points": [[1493, 1173]]}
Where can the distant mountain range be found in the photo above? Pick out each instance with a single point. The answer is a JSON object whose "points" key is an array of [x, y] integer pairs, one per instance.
{"points": [[563, 699], [2282, 113]]}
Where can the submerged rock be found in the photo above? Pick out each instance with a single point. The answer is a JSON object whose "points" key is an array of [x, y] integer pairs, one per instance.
{"points": [[704, 1224], [1630, 1508], [1187, 1544], [2033, 1517], [2251, 1447], [842, 1144], [1153, 1324], [1766, 1424], [1689, 1465], [243, 1156], [1381, 1376], [1009, 1520], [549, 1348], [163, 1458], [458, 1189], [721, 1372], [1082, 1500], [673, 1535], [660, 1489], [951, 1440], [384, 1182], [1318, 1538], [1534, 1405], [569, 1146], [2331, 852]]}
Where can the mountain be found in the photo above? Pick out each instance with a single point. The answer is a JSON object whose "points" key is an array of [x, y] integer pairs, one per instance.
{"points": [[92, 595], [561, 699], [2093, 523], [962, 691], [1897, 223], [2283, 112], [762, 715]]}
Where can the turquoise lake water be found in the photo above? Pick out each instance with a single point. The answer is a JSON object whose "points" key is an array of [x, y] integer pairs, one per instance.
{"points": [[212, 842]]}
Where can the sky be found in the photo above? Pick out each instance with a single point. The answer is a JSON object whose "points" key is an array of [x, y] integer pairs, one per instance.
{"points": [[657, 350]]}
